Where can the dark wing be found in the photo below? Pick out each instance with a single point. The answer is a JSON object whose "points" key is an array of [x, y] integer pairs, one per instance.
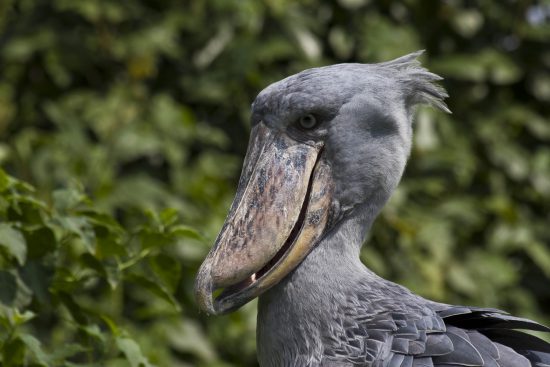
{"points": [[453, 337], [502, 330]]}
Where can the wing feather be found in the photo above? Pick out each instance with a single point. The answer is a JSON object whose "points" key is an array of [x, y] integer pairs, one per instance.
{"points": [[450, 337], [463, 354], [509, 357]]}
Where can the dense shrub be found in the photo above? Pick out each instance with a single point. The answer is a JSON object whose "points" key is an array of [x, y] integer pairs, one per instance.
{"points": [[74, 283], [129, 120]]}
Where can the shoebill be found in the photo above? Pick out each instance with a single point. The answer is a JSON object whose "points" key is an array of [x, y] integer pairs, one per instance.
{"points": [[327, 148]]}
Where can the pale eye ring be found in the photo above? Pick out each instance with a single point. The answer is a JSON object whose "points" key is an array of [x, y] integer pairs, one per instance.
{"points": [[307, 122]]}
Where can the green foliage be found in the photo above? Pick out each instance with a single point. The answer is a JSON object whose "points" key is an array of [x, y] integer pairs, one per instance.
{"points": [[70, 272], [116, 111]]}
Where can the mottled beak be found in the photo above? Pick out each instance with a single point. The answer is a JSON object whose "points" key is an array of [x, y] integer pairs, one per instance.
{"points": [[280, 211]]}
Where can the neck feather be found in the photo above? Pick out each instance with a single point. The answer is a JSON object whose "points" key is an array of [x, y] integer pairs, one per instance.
{"points": [[294, 315]]}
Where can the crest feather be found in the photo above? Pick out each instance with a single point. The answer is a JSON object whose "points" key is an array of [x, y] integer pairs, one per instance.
{"points": [[418, 83]]}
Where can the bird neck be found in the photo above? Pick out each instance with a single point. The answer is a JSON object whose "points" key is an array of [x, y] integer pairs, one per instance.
{"points": [[302, 306]]}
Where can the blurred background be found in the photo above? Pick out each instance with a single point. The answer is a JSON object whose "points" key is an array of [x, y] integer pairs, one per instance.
{"points": [[130, 120]]}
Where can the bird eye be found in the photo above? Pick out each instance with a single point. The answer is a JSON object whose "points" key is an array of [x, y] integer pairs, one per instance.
{"points": [[307, 122]]}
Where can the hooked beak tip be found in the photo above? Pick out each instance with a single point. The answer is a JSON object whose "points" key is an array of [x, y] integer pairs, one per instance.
{"points": [[203, 289]]}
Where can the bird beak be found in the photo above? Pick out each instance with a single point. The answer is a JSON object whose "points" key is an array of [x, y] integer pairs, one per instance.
{"points": [[280, 211]]}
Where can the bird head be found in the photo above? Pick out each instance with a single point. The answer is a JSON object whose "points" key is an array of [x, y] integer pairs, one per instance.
{"points": [[323, 142]]}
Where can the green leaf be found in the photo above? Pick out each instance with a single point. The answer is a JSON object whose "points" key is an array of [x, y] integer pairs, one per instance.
{"points": [[26, 209], [72, 364], [76, 311], [21, 318], [64, 280], [109, 272], [94, 331], [38, 277], [167, 268], [67, 350], [151, 239], [67, 199], [13, 353], [14, 242], [9, 182], [187, 336], [155, 288], [40, 241], [107, 246], [4, 181], [8, 287], [34, 347], [168, 216], [540, 254], [113, 274], [89, 261], [132, 352], [115, 330], [182, 231], [79, 227], [103, 220]]}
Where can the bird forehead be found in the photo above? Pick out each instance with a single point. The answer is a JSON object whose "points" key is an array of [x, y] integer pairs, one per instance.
{"points": [[326, 87]]}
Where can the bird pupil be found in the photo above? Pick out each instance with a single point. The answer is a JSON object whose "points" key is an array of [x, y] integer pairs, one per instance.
{"points": [[308, 121]]}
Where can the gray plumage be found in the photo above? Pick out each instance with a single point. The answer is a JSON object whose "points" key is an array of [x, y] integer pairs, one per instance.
{"points": [[333, 311]]}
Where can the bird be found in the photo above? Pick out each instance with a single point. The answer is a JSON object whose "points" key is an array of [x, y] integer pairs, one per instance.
{"points": [[327, 148]]}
